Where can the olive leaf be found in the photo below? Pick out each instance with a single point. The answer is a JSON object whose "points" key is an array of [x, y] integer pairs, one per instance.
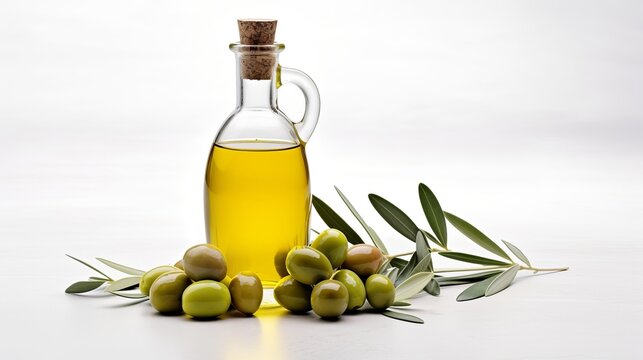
{"points": [[385, 266], [433, 288], [123, 283], [426, 264], [519, 254], [413, 285], [431, 237], [502, 281], [401, 304], [333, 220], [399, 263], [401, 316], [434, 214], [373, 235], [84, 286], [393, 274], [421, 246], [121, 268], [394, 216], [476, 235], [471, 258], [128, 294], [476, 290], [408, 268], [376, 239], [466, 279], [91, 267]]}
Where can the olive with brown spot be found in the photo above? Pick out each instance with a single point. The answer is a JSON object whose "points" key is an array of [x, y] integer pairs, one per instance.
{"points": [[247, 292], [363, 259]]}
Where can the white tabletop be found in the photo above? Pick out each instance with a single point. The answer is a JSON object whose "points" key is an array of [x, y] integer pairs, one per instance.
{"points": [[524, 119]]}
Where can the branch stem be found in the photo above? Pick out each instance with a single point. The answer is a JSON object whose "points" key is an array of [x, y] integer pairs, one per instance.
{"points": [[400, 254], [483, 268], [480, 268], [537, 270]]}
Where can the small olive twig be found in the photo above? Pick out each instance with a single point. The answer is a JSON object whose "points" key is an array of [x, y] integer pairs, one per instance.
{"points": [[482, 268]]}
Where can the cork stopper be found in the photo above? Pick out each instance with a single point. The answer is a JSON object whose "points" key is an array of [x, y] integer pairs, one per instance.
{"points": [[257, 32], [257, 64]]}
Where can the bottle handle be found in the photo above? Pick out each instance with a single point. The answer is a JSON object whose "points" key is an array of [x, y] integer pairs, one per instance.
{"points": [[306, 125]]}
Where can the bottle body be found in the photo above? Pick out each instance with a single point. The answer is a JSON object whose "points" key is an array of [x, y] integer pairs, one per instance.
{"points": [[257, 189], [258, 200]]}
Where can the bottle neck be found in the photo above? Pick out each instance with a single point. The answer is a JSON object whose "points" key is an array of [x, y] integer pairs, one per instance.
{"points": [[256, 93]]}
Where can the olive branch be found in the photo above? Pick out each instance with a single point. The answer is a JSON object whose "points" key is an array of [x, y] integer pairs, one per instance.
{"points": [[491, 277]]}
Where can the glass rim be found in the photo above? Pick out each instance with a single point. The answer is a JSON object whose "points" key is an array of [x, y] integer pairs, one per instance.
{"points": [[241, 48]]}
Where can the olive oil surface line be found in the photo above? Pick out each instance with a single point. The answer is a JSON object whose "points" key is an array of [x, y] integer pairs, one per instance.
{"points": [[257, 203]]}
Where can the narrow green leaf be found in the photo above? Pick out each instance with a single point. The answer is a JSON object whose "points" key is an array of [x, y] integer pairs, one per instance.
{"points": [[98, 278], [121, 268], [386, 265], [333, 220], [476, 290], [408, 269], [433, 212], [432, 238], [466, 279], [433, 287], [83, 286], [421, 246], [373, 235], [394, 216], [401, 316], [401, 304], [393, 274], [519, 254], [376, 239], [89, 266], [476, 235], [426, 264], [502, 281], [128, 294], [474, 259], [123, 283], [399, 263], [413, 285]]}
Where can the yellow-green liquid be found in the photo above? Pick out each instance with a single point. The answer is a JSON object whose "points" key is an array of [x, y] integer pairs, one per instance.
{"points": [[257, 204]]}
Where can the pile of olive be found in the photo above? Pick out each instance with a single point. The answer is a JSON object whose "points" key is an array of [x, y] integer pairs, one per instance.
{"points": [[327, 277], [198, 285]]}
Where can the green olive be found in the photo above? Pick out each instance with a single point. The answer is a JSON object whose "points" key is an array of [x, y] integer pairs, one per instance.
{"points": [[247, 292], [363, 259], [148, 278], [307, 265], [179, 264], [206, 299], [280, 262], [333, 244], [204, 262], [167, 290], [380, 291], [355, 287], [329, 299], [293, 295]]}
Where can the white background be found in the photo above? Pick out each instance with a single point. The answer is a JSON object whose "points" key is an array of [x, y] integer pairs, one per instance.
{"points": [[524, 117]]}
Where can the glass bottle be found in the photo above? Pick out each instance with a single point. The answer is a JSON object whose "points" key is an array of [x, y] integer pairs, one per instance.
{"points": [[257, 187]]}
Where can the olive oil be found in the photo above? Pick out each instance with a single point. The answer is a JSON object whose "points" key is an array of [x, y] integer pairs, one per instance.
{"points": [[257, 200]]}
